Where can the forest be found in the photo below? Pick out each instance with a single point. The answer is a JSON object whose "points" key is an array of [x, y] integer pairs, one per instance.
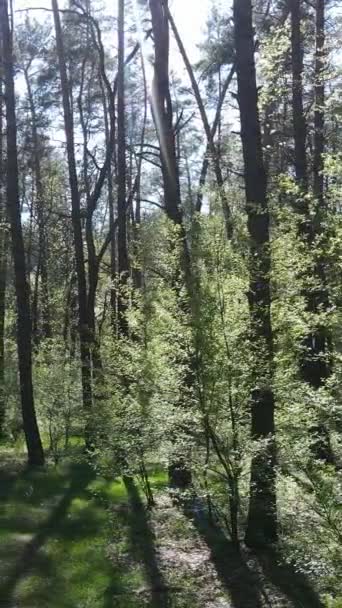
{"points": [[170, 304]]}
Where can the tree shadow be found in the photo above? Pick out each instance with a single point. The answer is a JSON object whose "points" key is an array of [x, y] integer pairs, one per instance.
{"points": [[9, 476], [293, 584], [242, 584], [252, 578], [142, 541], [30, 558]]}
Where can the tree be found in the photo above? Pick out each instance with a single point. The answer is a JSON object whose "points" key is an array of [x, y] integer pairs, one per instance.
{"points": [[315, 364], [3, 254], [162, 110], [30, 41], [262, 517], [123, 264], [209, 132], [24, 324], [76, 223], [299, 123]]}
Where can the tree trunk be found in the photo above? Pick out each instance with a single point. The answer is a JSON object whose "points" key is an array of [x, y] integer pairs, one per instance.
{"points": [[315, 360], [24, 325], [3, 258], [111, 210], [299, 123], [214, 129], [138, 276], [262, 516], [163, 112], [319, 103], [77, 228], [123, 263], [179, 469], [43, 254], [213, 150]]}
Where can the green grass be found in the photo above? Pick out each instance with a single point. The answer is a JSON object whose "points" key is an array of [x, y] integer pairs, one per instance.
{"points": [[71, 539], [66, 540]]}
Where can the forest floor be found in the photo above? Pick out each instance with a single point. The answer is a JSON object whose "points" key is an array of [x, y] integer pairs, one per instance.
{"points": [[69, 539]]}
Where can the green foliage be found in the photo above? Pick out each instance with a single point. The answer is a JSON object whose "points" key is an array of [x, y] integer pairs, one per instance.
{"points": [[58, 395], [176, 386]]}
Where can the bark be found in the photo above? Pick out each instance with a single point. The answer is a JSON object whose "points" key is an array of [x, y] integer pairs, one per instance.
{"points": [[3, 258], [163, 111], [214, 152], [24, 324], [319, 118], [214, 129], [299, 123], [40, 200], [262, 516], [111, 211], [123, 263], [138, 277], [76, 224], [315, 359], [179, 470]]}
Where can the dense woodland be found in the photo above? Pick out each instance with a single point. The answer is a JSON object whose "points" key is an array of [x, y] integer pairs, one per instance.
{"points": [[171, 265]]}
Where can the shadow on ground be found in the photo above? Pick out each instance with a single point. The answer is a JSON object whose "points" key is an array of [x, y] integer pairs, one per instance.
{"points": [[142, 542], [291, 583], [52, 533], [253, 580]]}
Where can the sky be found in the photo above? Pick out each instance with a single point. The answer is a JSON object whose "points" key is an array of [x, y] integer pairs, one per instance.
{"points": [[190, 17]]}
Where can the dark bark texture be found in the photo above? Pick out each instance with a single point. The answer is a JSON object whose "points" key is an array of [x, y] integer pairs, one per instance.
{"points": [[179, 469], [24, 323], [3, 257], [315, 357], [76, 224], [262, 517], [123, 262]]}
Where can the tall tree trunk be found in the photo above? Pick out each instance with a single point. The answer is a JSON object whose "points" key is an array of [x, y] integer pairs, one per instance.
{"points": [[123, 263], [43, 254], [214, 129], [315, 364], [77, 228], [299, 123], [179, 469], [319, 103], [24, 325], [138, 276], [3, 256], [111, 211], [262, 516], [163, 111], [213, 150]]}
